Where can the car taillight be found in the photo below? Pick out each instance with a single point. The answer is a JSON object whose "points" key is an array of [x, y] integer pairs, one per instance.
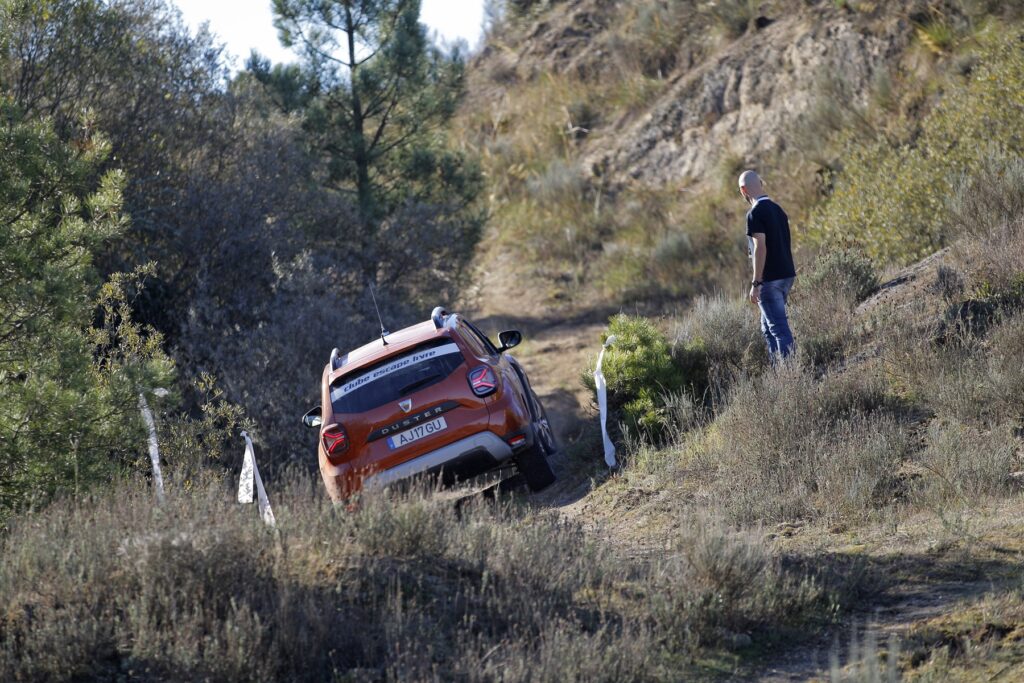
{"points": [[335, 440], [482, 380]]}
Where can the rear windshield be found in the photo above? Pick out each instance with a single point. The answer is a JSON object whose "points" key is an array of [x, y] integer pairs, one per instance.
{"points": [[396, 377]]}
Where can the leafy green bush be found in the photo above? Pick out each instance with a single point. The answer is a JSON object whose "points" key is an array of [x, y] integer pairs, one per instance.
{"points": [[640, 372], [72, 362], [889, 198], [197, 450]]}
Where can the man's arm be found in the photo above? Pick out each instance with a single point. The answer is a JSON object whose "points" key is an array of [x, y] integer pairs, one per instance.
{"points": [[760, 252]]}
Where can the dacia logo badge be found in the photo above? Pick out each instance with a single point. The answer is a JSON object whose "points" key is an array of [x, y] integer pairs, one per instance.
{"points": [[405, 405]]}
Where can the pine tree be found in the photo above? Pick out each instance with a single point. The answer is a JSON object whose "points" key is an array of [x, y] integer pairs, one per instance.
{"points": [[384, 95], [68, 390]]}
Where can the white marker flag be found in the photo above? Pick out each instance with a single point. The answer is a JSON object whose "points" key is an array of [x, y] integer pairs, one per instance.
{"points": [[250, 473], [154, 449], [602, 404]]}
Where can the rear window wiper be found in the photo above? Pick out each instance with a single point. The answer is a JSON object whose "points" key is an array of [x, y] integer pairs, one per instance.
{"points": [[413, 386]]}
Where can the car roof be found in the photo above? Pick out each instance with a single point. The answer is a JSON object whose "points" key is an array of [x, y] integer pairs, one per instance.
{"points": [[400, 341]]}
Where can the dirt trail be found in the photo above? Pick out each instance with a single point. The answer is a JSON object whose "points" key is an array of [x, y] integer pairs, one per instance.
{"points": [[560, 341], [913, 604]]}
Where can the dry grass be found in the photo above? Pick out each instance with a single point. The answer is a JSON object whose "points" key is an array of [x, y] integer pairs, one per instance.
{"points": [[721, 337], [400, 588], [824, 302], [789, 447], [987, 209]]}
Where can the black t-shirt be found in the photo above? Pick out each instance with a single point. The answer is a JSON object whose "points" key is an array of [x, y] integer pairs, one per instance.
{"points": [[769, 218]]}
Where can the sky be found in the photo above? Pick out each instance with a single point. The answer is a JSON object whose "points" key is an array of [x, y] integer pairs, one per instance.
{"points": [[246, 24]]}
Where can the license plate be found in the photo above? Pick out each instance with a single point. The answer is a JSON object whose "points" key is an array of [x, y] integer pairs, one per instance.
{"points": [[417, 433]]}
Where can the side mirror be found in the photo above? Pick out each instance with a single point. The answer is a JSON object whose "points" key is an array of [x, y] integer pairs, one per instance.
{"points": [[313, 418], [509, 339]]}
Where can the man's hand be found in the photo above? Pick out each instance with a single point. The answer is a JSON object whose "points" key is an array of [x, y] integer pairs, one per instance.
{"points": [[760, 254]]}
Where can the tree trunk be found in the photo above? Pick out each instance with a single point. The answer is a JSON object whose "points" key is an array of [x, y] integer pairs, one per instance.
{"points": [[359, 155]]}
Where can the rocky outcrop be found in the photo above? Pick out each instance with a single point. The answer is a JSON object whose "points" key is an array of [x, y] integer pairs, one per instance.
{"points": [[743, 100], [738, 97]]}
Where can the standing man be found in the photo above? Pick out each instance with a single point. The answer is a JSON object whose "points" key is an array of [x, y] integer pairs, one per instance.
{"points": [[772, 258]]}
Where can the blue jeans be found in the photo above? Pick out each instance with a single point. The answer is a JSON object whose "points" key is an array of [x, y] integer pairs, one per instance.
{"points": [[774, 325]]}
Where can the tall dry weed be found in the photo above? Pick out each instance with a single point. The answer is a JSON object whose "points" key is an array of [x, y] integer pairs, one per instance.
{"points": [[721, 582], [402, 587], [987, 210], [791, 447], [964, 464]]}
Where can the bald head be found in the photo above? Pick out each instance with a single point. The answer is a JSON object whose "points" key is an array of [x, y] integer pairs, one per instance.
{"points": [[750, 184]]}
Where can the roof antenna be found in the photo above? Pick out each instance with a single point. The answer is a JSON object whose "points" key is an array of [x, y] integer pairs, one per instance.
{"points": [[383, 332]]}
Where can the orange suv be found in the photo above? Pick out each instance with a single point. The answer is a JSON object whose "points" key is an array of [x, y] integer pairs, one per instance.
{"points": [[434, 398]]}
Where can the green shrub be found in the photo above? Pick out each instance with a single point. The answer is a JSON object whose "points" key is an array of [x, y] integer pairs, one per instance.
{"points": [[72, 361], [640, 372], [889, 198]]}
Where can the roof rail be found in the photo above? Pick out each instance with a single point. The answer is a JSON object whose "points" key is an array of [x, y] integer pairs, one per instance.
{"points": [[438, 315], [334, 359]]}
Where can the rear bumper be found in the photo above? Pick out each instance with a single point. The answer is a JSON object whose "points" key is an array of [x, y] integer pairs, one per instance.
{"points": [[471, 455]]}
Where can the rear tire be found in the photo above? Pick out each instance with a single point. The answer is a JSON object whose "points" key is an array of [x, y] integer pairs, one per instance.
{"points": [[534, 467], [542, 430]]}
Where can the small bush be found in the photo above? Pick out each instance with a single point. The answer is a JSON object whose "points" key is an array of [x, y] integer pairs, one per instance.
{"points": [[843, 270], [978, 381], [789, 447], [639, 371], [938, 35], [824, 303], [720, 338], [733, 17], [189, 447], [723, 582], [964, 463], [987, 209], [659, 32]]}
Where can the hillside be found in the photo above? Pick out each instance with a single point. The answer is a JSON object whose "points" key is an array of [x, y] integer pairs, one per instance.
{"points": [[612, 133], [784, 93]]}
